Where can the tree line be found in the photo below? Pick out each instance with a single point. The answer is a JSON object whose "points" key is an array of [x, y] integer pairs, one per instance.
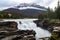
{"points": [[13, 15], [50, 14]]}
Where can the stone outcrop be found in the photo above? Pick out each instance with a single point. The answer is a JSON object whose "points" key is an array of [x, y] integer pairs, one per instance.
{"points": [[18, 35], [9, 31], [9, 26], [44, 24], [39, 23]]}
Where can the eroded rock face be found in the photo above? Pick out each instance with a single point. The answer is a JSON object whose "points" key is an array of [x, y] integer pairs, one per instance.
{"points": [[9, 26], [10, 32], [44, 24], [26, 35], [19, 35], [39, 23]]}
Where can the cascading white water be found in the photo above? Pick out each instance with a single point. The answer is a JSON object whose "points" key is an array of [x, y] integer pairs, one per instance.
{"points": [[28, 24]]}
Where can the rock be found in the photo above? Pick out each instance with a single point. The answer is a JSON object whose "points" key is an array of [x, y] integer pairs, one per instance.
{"points": [[9, 26], [39, 23], [9, 37], [57, 24], [44, 24], [20, 22], [10, 32], [2, 36], [25, 37], [27, 32], [19, 35], [56, 29]]}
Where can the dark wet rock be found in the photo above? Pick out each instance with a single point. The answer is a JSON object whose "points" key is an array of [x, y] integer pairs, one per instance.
{"points": [[27, 32], [24, 37], [8, 26], [38, 23], [57, 24], [44, 24], [20, 22], [2, 36], [18, 35]]}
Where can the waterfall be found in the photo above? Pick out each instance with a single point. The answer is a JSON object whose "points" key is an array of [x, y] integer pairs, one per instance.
{"points": [[28, 24]]}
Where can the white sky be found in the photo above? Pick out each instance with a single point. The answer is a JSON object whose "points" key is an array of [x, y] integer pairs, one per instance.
{"points": [[9, 3], [53, 4]]}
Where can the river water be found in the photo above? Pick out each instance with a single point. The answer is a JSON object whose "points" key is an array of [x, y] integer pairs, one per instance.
{"points": [[28, 24]]}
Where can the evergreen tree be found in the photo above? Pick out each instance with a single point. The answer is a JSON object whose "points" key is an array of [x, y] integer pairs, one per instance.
{"points": [[57, 11]]}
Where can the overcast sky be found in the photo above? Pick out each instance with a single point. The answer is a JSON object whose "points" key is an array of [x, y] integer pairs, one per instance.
{"points": [[10, 3]]}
